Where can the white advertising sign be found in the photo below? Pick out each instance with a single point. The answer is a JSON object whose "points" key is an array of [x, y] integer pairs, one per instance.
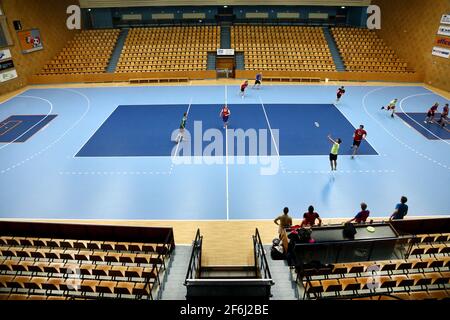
{"points": [[441, 52], [225, 52], [445, 19], [444, 30], [5, 54], [8, 75]]}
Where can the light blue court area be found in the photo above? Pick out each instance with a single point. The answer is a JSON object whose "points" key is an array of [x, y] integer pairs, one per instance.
{"points": [[150, 130], [430, 130], [109, 153], [20, 128]]}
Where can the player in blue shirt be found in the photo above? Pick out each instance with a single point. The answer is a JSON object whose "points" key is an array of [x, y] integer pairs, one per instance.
{"points": [[258, 80]]}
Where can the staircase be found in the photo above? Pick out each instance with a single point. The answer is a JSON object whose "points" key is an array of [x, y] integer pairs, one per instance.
{"points": [[172, 287], [240, 62], [285, 287], [117, 51], [211, 61], [334, 50], [225, 36]]}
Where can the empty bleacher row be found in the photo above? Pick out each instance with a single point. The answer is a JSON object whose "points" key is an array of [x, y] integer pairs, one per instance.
{"points": [[168, 49], [425, 274], [52, 268], [284, 48], [89, 52], [362, 50]]}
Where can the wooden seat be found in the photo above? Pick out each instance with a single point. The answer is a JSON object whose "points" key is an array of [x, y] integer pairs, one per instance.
{"points": [[106, 287]]}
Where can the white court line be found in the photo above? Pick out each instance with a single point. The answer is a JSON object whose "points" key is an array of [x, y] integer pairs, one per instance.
{"points": [[226, 163], [37, 123], [391, 134], [178, 144], [268, 124], [60, 137], [417, 95]]}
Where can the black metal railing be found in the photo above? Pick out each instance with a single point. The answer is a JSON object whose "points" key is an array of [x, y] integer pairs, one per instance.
{"points": [[195, 262], [261, 265]]}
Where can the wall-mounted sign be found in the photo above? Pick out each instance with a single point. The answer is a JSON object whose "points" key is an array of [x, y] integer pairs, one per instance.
{"points": [[5, 65], [8, 75], [441, 52], [443, 42], [444, 30], [225, 52], [5, 54], [445, 19], [30, 40]]}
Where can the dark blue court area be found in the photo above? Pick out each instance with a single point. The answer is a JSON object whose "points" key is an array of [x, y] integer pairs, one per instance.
{"points": [[431, 131], [147, 130], [19, 128]]}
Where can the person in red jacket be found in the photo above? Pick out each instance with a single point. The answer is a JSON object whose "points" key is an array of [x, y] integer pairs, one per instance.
{"points": [[340, 92], [244, 86], [358, 136]]}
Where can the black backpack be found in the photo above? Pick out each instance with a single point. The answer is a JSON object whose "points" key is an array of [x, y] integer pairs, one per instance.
{"points": [[349, 231]]}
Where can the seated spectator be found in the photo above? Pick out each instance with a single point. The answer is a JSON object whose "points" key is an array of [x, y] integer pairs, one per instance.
{"points": [[283, 221], [309, 218], [401, 209], [361, 216]]}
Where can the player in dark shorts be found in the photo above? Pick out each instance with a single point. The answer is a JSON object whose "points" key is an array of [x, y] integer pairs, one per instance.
{"points": [[182, 128], [359, 135], [334, 152], [431, 112], [340, 93], [258, 80], [444, 116], [225, 114], [244, 86], [390, 106]]}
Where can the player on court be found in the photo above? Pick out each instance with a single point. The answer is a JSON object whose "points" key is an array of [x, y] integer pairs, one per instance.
{"points": [[225, 114], [182, 127], [258, 80], [431, 112], [334, 152], [244, 86], [444, 116], [359, 135], [391, 106], [340, 93]]}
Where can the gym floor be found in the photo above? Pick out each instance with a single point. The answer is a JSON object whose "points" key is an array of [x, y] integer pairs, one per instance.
{"points": [[106, 153]]}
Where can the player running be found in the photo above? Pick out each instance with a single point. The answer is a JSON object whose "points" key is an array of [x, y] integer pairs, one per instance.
{"points": [[244, 86], [180, 136], [225, 114], [359, 135], [340, 93], [391, 106], [431, 112], [258, 80], [444, 116]]}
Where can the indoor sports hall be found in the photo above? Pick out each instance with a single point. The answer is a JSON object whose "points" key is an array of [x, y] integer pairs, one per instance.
{"points": [[122, 176]]}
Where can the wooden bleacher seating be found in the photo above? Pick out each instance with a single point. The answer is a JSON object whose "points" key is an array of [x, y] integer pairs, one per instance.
{"points": [[362, 50], [423, 275], [283, 48], [53, 268], [168, 49], [89, 52]]}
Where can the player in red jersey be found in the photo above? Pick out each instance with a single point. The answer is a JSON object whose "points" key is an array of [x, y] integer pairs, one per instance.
{"points": [[431, 112], [340, 92], [225, 114], [244, 86], [359, 135], [444, 116]]}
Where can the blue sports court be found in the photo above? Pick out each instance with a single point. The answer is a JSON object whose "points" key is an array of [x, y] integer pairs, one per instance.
{"points": [[107, 153]]}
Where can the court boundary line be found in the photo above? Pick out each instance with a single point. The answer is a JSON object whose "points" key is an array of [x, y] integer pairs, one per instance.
{"points": [[37, 123], [401, 108], [363, 101], [6, 121], [416, 129]]}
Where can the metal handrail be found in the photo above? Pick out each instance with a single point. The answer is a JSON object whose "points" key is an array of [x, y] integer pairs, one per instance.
{"points": [[196, 255], [259, 248]]}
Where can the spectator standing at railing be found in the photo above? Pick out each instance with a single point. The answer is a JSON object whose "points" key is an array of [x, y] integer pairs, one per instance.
{"points": [[309, 218], [401, 209], [283, 221], [361, 216]]}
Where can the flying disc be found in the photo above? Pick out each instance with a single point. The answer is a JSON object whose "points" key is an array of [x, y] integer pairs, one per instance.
{"points": [[370, 229], [316, 124]]}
